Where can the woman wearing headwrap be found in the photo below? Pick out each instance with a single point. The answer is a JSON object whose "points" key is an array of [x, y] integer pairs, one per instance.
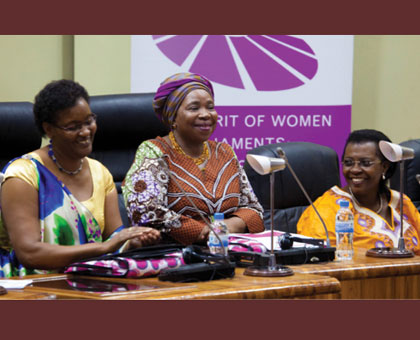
{"points": [[208, 172]]}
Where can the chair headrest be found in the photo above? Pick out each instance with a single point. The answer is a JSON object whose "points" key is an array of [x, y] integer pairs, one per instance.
{"points": [[125, 120], [315, 165], [18, 133]]}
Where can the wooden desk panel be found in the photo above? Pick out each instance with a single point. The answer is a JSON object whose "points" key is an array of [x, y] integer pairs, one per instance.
{"points": [[362, 278], [249, 287], [239, 287], [371, 278], [26, 295]]}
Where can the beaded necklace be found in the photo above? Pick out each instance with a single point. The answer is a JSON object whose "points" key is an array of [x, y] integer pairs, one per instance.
{"points": [[199, 160], [52, 156]]}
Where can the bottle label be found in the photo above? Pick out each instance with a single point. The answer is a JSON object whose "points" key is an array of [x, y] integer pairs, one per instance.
{"points": [[344, 227], [214, 241]]}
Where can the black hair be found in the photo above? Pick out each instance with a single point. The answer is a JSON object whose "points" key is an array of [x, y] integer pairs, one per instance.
{"points": [[370, 135], [56, 96]]}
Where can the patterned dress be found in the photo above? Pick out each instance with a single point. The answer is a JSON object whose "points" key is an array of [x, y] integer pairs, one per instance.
{"points": [[63, 219], [370, 229], [154, 199]]}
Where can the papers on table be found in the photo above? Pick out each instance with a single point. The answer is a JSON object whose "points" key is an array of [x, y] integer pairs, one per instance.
{"points": [[15, 284]]}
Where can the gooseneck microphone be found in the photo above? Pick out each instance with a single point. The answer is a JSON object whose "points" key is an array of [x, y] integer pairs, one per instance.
{"points": [[286, 241], [282, 155], [395, 153]]}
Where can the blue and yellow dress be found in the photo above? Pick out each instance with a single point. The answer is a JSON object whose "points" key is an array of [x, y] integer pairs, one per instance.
{"points": [[63, 219]]}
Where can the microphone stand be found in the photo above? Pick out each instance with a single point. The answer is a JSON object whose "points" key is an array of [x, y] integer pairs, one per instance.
{"points": [[401, 251], [272, 269], [282, 154], [265, 165], [401, 244]]}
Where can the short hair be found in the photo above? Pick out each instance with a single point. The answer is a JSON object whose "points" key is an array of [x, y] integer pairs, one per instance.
{"points": [[56, 96], [375, 136]]}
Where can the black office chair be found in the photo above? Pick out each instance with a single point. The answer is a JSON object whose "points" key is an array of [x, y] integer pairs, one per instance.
{"points": [[315, 165], [18, 133], [124, 121], [411, 169]]}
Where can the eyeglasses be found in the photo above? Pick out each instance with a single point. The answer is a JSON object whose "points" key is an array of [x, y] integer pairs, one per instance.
{"points": [[363, 163], [76, 128]]}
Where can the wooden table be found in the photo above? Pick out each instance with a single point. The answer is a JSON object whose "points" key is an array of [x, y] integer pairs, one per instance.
{"points": [[362, 278], [239, 287], [27, 295], [371, 278]]}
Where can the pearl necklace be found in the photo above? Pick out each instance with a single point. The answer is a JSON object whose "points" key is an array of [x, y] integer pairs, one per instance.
{"points": [[52, 156], [200, 160], [380, 201]]}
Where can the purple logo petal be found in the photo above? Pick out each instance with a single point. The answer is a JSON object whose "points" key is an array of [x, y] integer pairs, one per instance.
{"points": [[270, 62]]}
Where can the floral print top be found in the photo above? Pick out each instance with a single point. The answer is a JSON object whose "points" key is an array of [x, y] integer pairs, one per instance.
{"points": [[370, 229], [159, 181]]}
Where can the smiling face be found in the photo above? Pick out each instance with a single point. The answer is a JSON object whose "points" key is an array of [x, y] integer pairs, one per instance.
{"points": [[73, 131], [361, 177], [196, 117]]}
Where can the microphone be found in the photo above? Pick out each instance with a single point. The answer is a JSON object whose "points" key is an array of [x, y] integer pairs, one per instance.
{"points": [[418, 178], [394, 152], [282, 155], [286, 241], [264, 165]]}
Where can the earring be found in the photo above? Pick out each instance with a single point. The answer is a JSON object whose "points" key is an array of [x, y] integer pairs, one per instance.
{"points": [[383, 176], [174, 126]]}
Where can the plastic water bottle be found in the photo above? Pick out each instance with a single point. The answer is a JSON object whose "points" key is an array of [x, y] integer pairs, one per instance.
{"points": [[222, 230], [344, 230]]}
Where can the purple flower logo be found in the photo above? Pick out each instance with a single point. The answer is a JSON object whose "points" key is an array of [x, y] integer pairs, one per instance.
{"points": [[263, 62]]}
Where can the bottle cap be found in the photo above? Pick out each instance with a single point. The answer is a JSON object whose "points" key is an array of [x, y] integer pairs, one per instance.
{"points": [[344, 204], [219, 216]]}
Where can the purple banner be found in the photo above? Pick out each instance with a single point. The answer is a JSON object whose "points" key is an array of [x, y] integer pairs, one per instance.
{"points": [[247, 127], [270, 88]]}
